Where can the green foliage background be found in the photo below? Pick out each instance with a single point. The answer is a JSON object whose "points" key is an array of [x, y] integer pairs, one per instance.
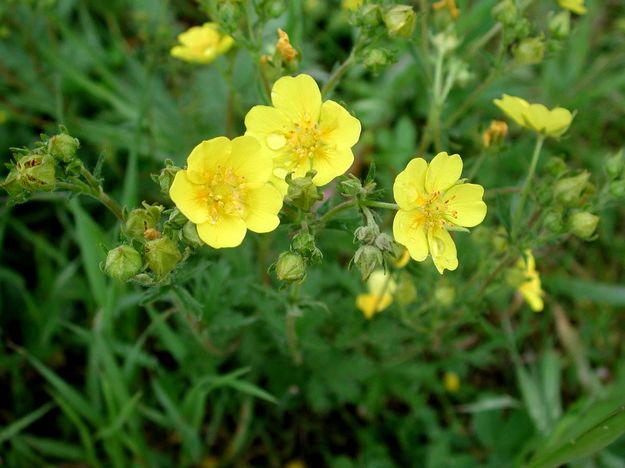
{"points": [[201, 372]]}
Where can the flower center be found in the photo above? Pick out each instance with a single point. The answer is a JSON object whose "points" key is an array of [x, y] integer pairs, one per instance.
{"points": [[432, 210], [223, 192], [303, 141]]}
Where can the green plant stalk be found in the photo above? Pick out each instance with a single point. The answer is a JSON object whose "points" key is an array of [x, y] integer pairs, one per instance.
{"points": [[379, 204], [433, 122], [528, 183], [336, 210], [338, 73]]}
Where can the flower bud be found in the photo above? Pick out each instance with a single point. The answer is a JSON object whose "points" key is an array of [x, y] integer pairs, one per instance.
{"points": [[122, 263], [63, 147], [36, 172], [583, 224], [290, 267], [495, 134], [351, 5], [369, 16], [445, 295], [11, 185], [367, 234], [385, 243], [505, 12], [377, 59], [445, 42], [617, 188], [529, 51], [555, 166], [284, 47], [569, 190], [302, 192], [560, 24], [304, 243], [162, 255], [614, 165], [190, 236], [166, 177], [367, 258], [400, 21], [553, 221], [351, 186], [141, 219]]}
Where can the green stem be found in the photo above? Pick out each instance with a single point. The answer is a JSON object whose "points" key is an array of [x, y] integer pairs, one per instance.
{"points": [[338, 74], [477, 165], [379, 204], [432, 127], [528, 183], [336, 210]]}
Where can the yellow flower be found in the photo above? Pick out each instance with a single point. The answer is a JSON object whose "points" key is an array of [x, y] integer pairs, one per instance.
{"points": [[536, 117], [284, 47], [576, 6], [225, 191], [351, 5], [381, 289], [202, 44], [451, 382], [530, 288], [301, 133], [432, 200]]}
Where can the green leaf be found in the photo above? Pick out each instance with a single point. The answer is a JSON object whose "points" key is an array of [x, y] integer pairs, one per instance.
{"points": [[17, 426], [602, 293]]}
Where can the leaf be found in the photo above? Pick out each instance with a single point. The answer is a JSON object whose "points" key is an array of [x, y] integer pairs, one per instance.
{"points": [[17, 426], [603, 293]]}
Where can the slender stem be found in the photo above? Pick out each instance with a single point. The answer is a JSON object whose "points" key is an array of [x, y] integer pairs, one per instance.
{"points": [[477, 165], [433, 122], [528, 182], [291, 317], [379, 204], [111, 204], [336, 210], [338, 74]]}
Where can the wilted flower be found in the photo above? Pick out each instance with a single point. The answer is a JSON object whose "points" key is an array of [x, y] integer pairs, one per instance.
{"points": [[284, 47], [530, 286], [225, 191], [202, 44], [301, 133], [536, 117], [432, 200], [496, 132], [381, 288]]}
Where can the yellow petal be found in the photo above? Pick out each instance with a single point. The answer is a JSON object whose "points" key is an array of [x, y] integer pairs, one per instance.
{"points": [[559, 121], [187, 198], [464, 205], [247, 160], [338, 127], [576, 6], [380, 282], [411, 234], [370, 304], [298, 97], [262, 206], [329, 164], [533, 296], [206, 156], [229, 231], [410, 184], [443, 172], [443, 249], [537, 117], [265, 122], [514, 107]]}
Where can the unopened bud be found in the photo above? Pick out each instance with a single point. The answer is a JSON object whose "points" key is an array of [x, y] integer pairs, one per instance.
{"points": [[122, 263], [400, 21], [405, 292], [166, 177], [304, 243], [290, 267], [617, 188], [368, 258], [141, 219], [553, 221], [190, 236], [11, 185], [506, 12], [367, 234], [63, 147], [495, 134], [351, 186], [530, 50], [302, 192], [162, 255], [451, 381], [445, 42], [614, 165], [284, 47], [377, 59], [555, 166], [583, 224], [560, 24], [569, 190], [36, 172]]}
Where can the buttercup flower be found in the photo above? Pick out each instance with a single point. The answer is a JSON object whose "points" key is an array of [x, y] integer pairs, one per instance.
{"points": [[225, 191], [381, 289], [576, 6], [432, 200], [530, 288], [202, 44], [536, 117], [301, 133]]}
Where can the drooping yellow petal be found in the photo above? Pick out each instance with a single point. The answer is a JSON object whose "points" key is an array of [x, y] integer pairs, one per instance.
{"points": [[206, 156], [371, 304], [328, 164], [410, 184], [531, 288], [443, 249], [188, 198], [576, 6], [248, 161], [297, 97], [464, 204], [262, 207], [443, 172], [338, 127], [228, 231], [559, 121], [411, 234], [514, 107]]}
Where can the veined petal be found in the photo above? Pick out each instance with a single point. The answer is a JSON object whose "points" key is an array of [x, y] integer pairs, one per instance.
{"points": [[464, 205], [262, 206], [370, 304], [443, 249], [329, 164], [229, 231], [298, 97], [411, 234], [410, 184], [188, 198], [338, 127], [443, 172], [514, 107], [248, 161], [206, 156]]}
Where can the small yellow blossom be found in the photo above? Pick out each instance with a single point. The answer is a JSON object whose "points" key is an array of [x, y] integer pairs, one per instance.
{"points": [[351, 5], [536, 117], [576, 6], [301, 133], [450, 5], [432, 200], [202, 44], [530, 288], [381, 289], [451, 382], [284, 47], [495, 134], [225, 191]]}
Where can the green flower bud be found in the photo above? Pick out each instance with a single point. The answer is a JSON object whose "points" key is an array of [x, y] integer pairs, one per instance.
{"points": [[369, 16], [569, 190], [529, 51], [385, 243], [367, 234], [166, 177], [141, 219], [377, 59], [617, 188], [351, 186], [11, 185], [555, 166], [400, 21], [302, 192], [505, 12], [445, 295], [190, 236], [583, 224], [560, 24], [367, 258], [304, 243], [553, 221], [162, 255], [36, 172], [445, 42], [122, 263], [290, 267], [63, 147], [614, 165]]}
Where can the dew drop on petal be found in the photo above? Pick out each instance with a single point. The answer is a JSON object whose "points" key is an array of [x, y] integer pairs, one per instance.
{"points": [[275, 141]]}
